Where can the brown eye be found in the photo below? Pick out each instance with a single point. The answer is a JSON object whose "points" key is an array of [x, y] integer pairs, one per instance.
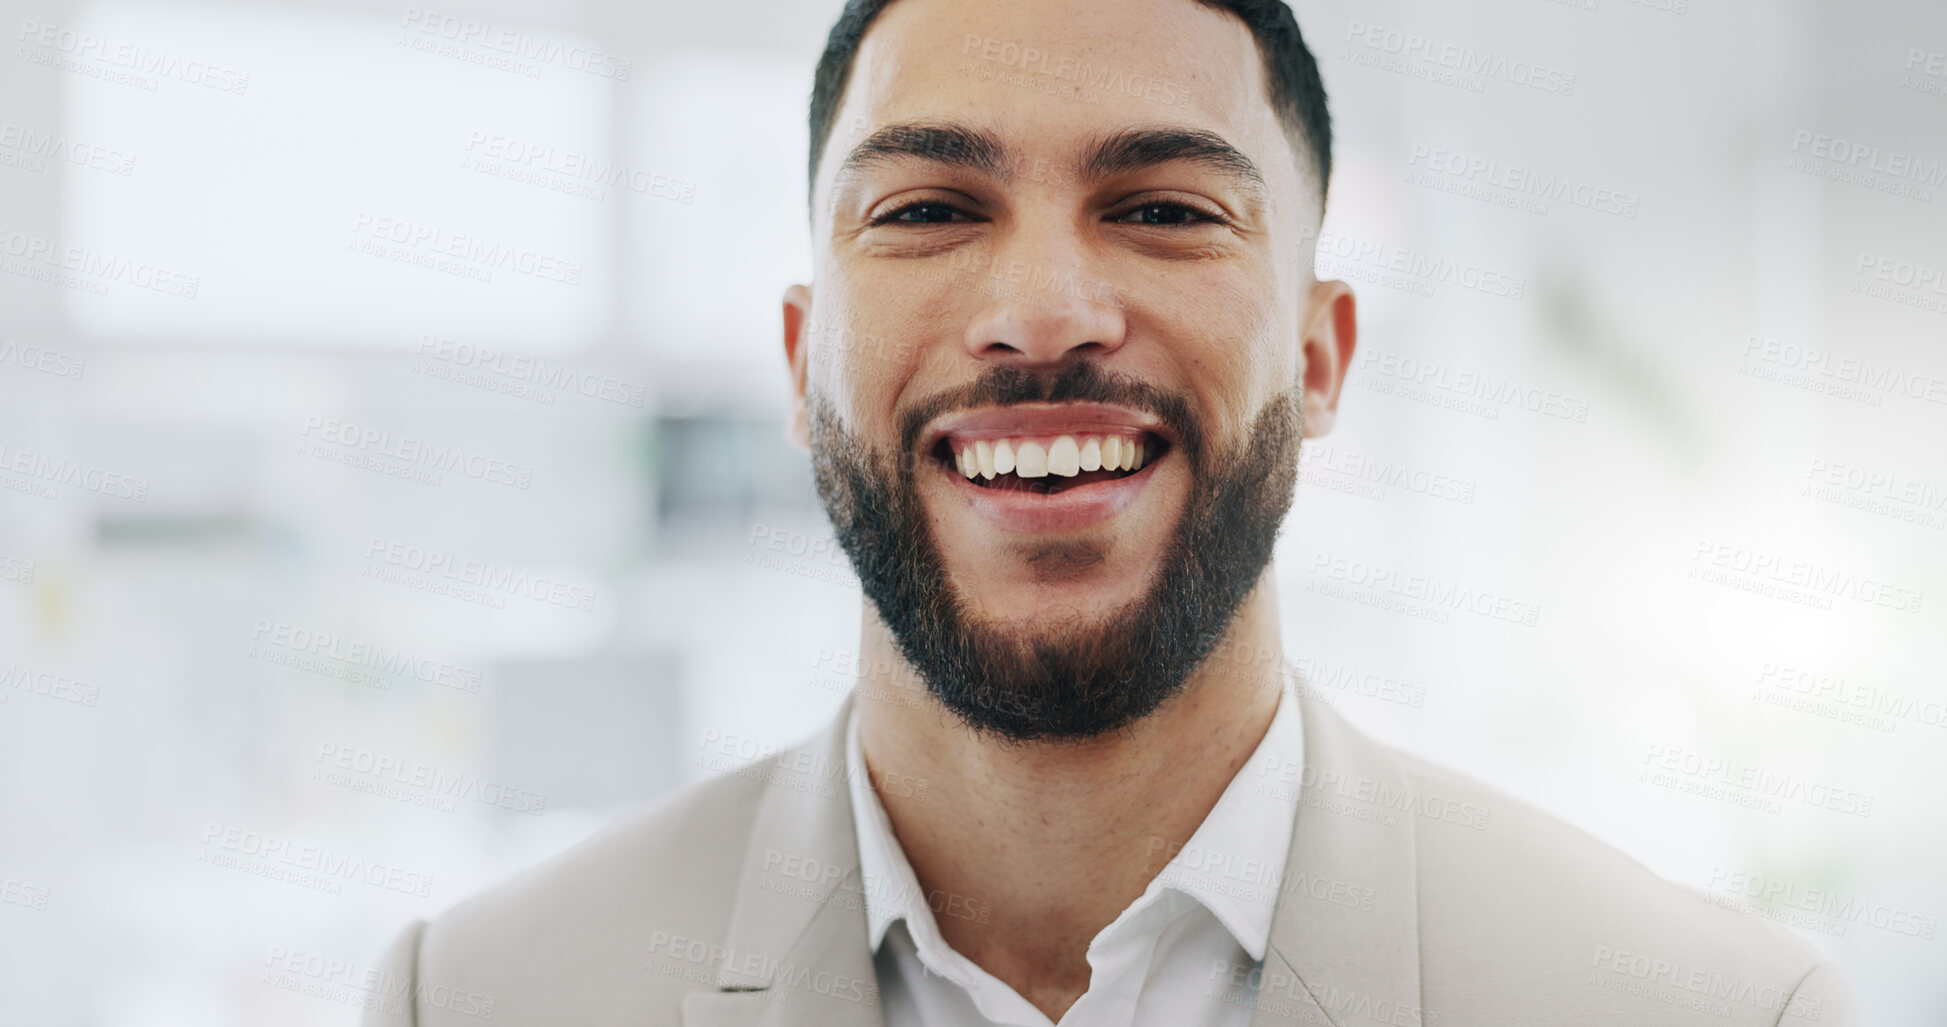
{"points": [[1167, 215], [926, 212]]}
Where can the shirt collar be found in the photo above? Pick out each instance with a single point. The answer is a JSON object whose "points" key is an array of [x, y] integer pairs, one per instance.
{"points": [[1233, 864], [885, 876]]}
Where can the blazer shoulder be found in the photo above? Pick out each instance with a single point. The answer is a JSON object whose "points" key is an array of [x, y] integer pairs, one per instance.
{"points": [[681, 852], [1509, 891], [570, 939]]}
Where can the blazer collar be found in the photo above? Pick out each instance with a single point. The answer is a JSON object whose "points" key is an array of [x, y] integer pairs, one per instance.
{"points": [[1344, 946], [1345, 940], [796, 951]]}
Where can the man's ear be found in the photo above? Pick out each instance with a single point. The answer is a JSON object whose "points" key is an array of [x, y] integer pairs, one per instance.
{"points": [[1329, 340], [797, 351]]}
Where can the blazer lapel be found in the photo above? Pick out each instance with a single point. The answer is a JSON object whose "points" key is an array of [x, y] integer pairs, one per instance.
{"points": [[1345, 939], [796, 953]]}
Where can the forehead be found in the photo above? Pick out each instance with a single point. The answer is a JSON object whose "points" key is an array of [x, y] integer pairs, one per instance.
{"points": [[1047, 77]]}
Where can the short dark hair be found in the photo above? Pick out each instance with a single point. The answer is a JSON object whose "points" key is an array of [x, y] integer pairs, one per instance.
{"points": [[1291, 73]]}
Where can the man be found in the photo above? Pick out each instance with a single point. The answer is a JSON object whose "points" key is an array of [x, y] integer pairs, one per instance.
{"points": [[1064, 344]]}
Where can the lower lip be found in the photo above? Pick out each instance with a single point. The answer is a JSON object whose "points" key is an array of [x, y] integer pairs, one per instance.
{"points": [[1074, 509]]}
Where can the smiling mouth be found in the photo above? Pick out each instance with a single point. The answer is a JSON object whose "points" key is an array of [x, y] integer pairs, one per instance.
{"points": [[1047, 465]]}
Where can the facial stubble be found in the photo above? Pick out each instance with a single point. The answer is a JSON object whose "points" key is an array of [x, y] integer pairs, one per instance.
{"points": [[1076, 678]]}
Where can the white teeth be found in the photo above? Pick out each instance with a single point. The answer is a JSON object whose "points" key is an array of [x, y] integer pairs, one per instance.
{"points": [[1031, 461], [1004, 457], [1064, 457]]}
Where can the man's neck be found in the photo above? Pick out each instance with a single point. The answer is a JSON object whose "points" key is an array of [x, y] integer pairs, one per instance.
{"points": [[1054, 840]]}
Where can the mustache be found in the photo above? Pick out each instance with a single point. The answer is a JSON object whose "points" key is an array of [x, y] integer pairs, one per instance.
{"points": [[1084, 381]]}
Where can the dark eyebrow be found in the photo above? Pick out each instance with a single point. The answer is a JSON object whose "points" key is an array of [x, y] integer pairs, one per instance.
{"points": [[952, 145], [961, 146], [1138, 149]]}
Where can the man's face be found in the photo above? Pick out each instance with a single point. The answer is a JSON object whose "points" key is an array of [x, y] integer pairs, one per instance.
{"points": [[1045, 230]]}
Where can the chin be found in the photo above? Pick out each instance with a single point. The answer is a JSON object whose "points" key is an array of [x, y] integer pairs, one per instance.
{"points": [[1032, 612], [1041, 588]]}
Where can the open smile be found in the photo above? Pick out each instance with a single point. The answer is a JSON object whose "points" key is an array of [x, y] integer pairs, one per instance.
{"points": [[1049, 465], [1049, 468]]}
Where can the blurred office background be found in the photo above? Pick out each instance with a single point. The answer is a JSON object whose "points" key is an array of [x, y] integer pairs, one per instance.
{"points": [[1654, 354]]}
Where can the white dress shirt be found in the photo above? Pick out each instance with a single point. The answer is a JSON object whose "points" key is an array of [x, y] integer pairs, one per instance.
{"points": [[1184, 954]]}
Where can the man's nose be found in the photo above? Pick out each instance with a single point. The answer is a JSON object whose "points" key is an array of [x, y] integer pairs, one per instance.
{"points": [[1044, 312]]}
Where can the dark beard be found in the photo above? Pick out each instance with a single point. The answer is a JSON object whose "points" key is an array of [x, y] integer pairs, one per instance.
{"points": [[1082, 679]]}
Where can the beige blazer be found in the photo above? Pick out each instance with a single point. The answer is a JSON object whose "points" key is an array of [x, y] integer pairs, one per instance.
{"points": [[1413, 897]]}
